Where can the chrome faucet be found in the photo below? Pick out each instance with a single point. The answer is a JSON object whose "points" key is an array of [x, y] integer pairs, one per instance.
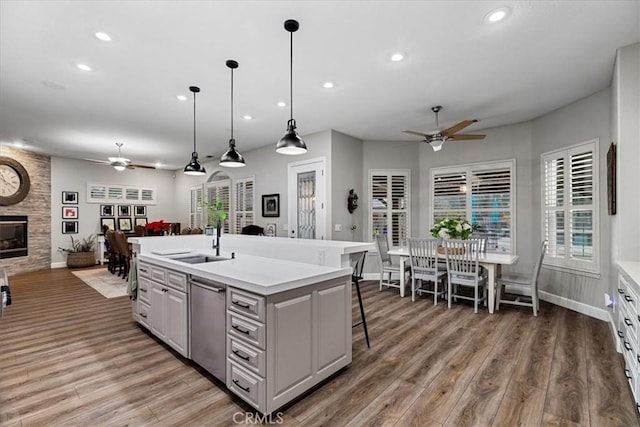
{"points": [[216, 243]]}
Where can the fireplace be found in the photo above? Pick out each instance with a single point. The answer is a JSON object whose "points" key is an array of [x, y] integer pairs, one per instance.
{"points": [[13, 236]]}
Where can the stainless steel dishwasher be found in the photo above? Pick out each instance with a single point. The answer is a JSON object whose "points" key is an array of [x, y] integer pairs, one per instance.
{"points": [[208, 325]]}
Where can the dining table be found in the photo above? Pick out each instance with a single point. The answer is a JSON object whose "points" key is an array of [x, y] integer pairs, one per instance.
{"points": [[492, 261]]}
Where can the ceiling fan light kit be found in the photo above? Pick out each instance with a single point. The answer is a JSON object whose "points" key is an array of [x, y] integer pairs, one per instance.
{"points": [[291, 144], [194, 167], [231, 158]]}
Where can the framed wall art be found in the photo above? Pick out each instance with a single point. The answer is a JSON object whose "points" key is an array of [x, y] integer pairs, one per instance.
{"points": [[271, 205], [109, 222], [107, 210], [69, 212], [270, 230], [124, 210], [141, 221], [69, 197], [69, 227], [124, 224]]}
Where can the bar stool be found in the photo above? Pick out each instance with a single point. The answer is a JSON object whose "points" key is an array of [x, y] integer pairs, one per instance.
{"points": [[356, 276]]}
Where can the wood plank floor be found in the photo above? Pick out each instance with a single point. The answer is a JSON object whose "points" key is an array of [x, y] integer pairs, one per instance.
{"points": [[70, 357]]}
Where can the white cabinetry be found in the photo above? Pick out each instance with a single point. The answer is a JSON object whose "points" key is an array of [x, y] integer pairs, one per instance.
{"points": [[628, 322], [282, 345], [162, 305]]}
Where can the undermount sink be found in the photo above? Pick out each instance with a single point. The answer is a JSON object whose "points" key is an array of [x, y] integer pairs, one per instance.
{"points": [[199, 259]]}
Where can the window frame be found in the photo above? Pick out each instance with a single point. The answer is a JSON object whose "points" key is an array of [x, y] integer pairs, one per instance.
{"points": [[566, 263], [242, 182], [469, 169], [389, 210]]}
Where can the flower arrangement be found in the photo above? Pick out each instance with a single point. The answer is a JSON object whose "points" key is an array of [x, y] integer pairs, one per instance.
{"points": [[157, 226], [453, 228]]}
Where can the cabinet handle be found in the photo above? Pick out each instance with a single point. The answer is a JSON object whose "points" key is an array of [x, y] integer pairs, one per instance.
{"points": [[144, 270], [638, 357], [143, 315], [627, 322], [247, 358], [620, 291], [627, 374], [628, 298], [165, 290], [143, 289], [239, 329], [248, 389], [627, 345], [241, 305], [620, 334]]}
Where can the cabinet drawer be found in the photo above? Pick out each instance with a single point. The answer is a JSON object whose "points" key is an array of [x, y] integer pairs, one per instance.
{"points": [[144, 287], [630, 326], [246, 303], [143, 313], [632, 305], [246, 355], [177, 280], [144, 270], [158, 274], [246, 330], [248, 386]]}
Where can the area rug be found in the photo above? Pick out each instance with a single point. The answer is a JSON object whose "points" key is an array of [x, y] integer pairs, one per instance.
{"points": [[109, 285]]}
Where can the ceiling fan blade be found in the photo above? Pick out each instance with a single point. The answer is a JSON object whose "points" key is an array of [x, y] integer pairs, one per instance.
{"points": [[456, 128], [102, 162], [467, 137], [135, 166], [412, 132]]}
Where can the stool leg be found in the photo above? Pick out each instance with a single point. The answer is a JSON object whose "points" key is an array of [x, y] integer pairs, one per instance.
{"points": [[364, 319]]}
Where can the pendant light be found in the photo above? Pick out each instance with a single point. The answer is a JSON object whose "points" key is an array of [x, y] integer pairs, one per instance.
{"points": [[291, 143], [194, 167], [232, 159]]}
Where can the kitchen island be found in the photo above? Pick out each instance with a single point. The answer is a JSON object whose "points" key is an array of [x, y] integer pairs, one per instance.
{"points": [[286, 324]]}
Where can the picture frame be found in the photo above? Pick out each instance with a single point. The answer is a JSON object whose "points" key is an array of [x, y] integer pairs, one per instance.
{"points": [[124, 224], [139, 211], [611, 179], [270, 230], [69, 227], [140, 221], [107, 210], [124, 210], [109, 222], [271, 205], [69, 212], [69, 197]]}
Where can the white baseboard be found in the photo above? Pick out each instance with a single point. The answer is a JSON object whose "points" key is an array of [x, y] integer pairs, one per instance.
{"points": [[58, 264], [580, 307]]}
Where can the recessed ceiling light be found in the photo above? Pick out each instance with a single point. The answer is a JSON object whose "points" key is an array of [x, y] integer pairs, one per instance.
{"points": [[397, 57], [53, 85], [281, 104], [158, 165], [103, 36], [83, 67], [497, 15], [181, 97], [328, 85], [247, 117]]}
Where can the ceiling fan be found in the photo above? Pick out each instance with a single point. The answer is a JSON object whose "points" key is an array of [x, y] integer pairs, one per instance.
{"points": [[120, 163], [438, 137]]}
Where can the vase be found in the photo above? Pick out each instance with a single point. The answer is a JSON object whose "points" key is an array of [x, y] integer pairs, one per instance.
{"points": [[452, 251]]}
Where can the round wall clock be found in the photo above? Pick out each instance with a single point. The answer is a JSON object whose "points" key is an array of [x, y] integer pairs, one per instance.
{"points": [[14, 181]]}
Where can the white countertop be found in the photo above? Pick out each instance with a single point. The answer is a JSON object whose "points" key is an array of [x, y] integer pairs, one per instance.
{"points": [[631, 269], [264, 276]]}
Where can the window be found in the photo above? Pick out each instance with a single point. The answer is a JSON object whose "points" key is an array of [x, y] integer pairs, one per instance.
{"points": [[218, 191], [481, 193], [390, 208], [569, 203], [244, 203], [102, 193], [195, 207]]}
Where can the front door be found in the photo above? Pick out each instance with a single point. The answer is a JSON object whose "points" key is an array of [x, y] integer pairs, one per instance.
{"points": [[306, 199]]}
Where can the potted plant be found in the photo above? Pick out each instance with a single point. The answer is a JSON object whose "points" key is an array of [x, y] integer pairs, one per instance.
{"points": [[81, 253], [157, 228], [453, 228], [216, 215]]}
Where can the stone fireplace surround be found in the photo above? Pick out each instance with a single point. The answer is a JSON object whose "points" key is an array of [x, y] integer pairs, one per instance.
{"points": [[37, 206]]}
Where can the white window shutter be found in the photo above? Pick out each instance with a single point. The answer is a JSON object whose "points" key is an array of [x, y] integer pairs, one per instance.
{"points": [[390, 205]]}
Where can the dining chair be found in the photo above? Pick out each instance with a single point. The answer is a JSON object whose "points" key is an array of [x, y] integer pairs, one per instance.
{"points": [[528, 285], [356, 277], [125, 253], [114, 251], [463, 270], [426, 267], [196, 230], [387, 267], [140, 231], [186, 230]]}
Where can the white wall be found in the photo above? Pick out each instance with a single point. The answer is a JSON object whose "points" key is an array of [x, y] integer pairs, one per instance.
{"points": [[581, 121], [346, 163], [270, 171], [72, 175]]}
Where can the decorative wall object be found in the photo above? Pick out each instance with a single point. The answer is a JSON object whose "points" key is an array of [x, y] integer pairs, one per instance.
{"points": [[141, 221], [124, 210], [69, 212], [270, 230], [352, 201], [69, 227], [107, 210], [109, 222], [70, 197], [271, 205], [611, 179], [124, 224], [139, 211]]}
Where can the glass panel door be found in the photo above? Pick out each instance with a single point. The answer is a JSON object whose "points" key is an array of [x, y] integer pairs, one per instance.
{"points": [[306, 205]]}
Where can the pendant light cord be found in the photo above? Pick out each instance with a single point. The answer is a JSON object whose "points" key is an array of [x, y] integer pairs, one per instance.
{"points": [[291, 76], [194, 122], [232, 104]]}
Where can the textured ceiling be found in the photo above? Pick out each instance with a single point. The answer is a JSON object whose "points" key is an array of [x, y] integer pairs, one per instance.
{"points": [[545, 55]]}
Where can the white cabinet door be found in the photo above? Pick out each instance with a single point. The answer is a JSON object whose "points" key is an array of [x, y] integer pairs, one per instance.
{"points": [[334, 340], [176, 320], [156, 313]]}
